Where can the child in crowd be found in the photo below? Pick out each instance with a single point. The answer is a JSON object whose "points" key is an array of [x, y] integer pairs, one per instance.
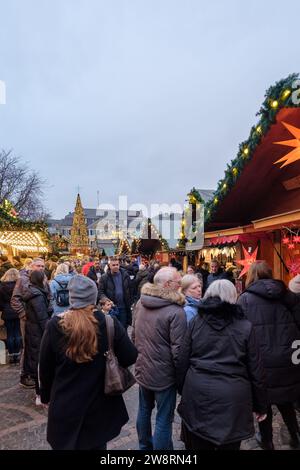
{"points": [[108, 308]]}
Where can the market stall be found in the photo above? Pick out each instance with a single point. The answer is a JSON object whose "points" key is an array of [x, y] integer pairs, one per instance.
{"points": [[18, 236], [257, 203]]}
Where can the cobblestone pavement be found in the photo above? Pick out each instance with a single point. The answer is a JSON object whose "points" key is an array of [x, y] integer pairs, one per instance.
{"points": [[23, 425]]}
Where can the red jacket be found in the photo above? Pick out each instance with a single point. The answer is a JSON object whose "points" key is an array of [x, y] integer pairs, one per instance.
{"points": [[86, 268]]}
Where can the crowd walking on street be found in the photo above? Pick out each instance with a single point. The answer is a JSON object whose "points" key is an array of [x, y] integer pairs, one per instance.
{"points": [[189, 339]]}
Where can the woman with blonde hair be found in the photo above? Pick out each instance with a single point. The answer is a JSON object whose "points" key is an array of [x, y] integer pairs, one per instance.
{"points": [[59, 288], [191, 287], [269, 306], [10, 316], [72, 371], [220, 375]]}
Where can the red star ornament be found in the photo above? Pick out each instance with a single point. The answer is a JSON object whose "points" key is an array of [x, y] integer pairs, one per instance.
{"points": [[294, 266], [250, 258]]}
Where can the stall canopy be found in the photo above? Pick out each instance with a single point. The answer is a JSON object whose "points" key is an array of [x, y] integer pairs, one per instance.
{"points": [[233, 239], [30, 242], [263, 180]]}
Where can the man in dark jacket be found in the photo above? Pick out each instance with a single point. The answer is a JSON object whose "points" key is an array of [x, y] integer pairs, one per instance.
{"points": [[140, 279], [116, 286], [159, 326], [95, 272], [269, 306], [216, 273]]}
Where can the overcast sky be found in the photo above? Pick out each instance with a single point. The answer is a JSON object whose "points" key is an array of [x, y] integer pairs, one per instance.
{"points": [[146, 98]]}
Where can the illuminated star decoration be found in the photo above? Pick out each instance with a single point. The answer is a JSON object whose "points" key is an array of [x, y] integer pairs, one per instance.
{"points": [[293, 155], [250, 258], [294, 266]]}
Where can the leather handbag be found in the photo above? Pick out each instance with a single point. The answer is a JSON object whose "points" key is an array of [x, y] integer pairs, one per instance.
{"points": [[117, 378]]}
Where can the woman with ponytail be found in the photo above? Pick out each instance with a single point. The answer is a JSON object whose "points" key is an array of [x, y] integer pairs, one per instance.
{"points": [[72, 369]]}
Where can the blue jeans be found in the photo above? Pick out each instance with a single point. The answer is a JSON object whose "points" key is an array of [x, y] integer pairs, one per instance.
{"points": [[14, 338], [165, 402]]}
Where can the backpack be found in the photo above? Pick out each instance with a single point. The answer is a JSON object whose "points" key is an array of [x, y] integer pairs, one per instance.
{"points": [[62, 294]]}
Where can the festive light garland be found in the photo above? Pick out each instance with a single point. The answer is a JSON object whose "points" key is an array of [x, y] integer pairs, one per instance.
{"points": [[194, 198], [277, 97], [9, 220]]}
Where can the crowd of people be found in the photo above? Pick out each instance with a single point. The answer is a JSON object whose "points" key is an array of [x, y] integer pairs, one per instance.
{"points": [[229, 358]]}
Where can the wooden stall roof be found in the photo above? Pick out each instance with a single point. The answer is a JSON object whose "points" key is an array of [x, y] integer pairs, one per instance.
{"points": [[261, 182]]}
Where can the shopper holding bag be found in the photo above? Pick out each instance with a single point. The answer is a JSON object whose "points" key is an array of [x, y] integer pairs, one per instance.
{"points": [[72, 373]]}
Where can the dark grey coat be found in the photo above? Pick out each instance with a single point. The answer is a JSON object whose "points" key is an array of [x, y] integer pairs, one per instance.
{"points": [[272, 310], [159, 326]]}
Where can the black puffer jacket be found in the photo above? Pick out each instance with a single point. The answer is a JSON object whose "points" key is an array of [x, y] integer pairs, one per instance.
{"points": [[6, 292], [107, 289], [271, 308], [38, 312], [220, 375], [139, 282]]}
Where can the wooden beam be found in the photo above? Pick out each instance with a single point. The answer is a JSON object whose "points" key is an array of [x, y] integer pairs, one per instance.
{"points": [[277, 220]]}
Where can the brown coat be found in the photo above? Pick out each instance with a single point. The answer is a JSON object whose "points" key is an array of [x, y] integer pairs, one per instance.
{"points": [[20, 291], [158, 330], [21, 287]]}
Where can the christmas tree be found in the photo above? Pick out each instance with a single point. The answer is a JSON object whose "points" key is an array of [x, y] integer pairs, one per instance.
{"points": [[79, 233]]}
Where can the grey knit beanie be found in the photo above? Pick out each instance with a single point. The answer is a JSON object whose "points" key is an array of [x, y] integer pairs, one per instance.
{"points": [[82, 292]]}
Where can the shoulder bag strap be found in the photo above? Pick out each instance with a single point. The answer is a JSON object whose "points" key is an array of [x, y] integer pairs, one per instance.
{"points": [[110, 331]]}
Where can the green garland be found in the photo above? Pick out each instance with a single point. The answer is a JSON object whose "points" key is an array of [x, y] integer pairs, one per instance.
{"points": [[277, 97], [9, 222], [194, 197]]}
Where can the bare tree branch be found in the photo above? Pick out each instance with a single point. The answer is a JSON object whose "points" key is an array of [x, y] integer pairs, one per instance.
{"points": [[22, 187]]}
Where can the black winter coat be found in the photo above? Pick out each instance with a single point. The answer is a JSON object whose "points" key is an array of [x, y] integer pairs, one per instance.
{"points": [[6, 291], [216, 277], [271, 308], [107, 289], [139, 282], [220, 375], [80, 415], [92, 274], [38, 312], [5, 267]]}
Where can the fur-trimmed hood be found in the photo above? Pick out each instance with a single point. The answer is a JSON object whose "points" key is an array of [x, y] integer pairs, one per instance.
{"points": [[154, 296]]}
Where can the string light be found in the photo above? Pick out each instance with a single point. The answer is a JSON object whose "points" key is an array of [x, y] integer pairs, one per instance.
{"points": [[259, 129], [234, 171], [285, 94], [246, 151], [274, 104]]}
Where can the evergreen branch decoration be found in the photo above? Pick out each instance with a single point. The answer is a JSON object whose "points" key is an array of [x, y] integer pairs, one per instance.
{"points": [[277, 97], [10, 221]]}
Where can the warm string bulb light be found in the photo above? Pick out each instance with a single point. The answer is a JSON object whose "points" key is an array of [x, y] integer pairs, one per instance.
{"points": [[285, 94]]}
